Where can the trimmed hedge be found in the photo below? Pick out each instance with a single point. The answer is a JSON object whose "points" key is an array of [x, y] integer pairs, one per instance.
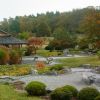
{"points": [[72, 89], [88, 93], [36, 88], [97, 98], [57, 67], [61, 94]]}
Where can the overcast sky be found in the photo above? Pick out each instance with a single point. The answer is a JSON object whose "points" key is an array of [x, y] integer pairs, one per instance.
{"points": [[12, 8]]}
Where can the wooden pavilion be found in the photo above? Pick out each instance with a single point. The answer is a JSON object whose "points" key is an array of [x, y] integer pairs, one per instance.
{"points": [[7, 40]]}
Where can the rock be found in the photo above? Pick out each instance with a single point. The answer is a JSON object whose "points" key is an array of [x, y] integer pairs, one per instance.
{"points": [[86, 66], [52, 73], [49, 60], [97, 69], [67, 70], [8, 79], [19, 85], [34, 72], [35, 58], [48, 90]]}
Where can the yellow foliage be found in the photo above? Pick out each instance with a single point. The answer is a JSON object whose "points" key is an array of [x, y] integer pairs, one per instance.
{"points": [[15, 71]]}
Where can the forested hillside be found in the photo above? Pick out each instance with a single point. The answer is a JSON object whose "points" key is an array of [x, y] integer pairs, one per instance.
{"points": [[46, 24]]}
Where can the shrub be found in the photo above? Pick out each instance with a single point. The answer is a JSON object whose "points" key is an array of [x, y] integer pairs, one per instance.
{"points": [[72, 89], [57, 67], [22, 71], [4, 55], [14, 57], [40, 65], [30, 50], [97, 98], [88, 93], [49, 47], [61, 94], [14, 70], [44, 71], [36, 88], [98, 54]]}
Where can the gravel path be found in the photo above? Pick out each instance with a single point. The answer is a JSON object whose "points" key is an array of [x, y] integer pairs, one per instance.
{"points": [[52, 82], [30, 59]]}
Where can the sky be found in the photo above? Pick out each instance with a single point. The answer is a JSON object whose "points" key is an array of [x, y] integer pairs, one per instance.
{"points": [[12, 8]]}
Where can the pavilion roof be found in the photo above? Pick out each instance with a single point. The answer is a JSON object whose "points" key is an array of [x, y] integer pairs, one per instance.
{"points": [[6, 39]]}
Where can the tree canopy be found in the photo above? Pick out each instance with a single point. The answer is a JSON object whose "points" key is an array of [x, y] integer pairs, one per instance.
{"points": [[64, 27], [46, 24]]}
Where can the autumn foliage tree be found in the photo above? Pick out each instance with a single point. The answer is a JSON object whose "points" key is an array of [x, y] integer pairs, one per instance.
{"points": [[91, 26], [35, 43]]}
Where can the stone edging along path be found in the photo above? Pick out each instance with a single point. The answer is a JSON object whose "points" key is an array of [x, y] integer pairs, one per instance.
{"points": [[52, 82], [73, 78]]}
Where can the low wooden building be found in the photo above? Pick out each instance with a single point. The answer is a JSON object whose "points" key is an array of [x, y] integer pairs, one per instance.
{"points": [[7, 40]]}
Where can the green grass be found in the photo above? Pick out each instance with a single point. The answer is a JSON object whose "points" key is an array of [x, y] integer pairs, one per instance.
{"points": [[75, 62], [47, 53], [7, 92], [14, 70]]}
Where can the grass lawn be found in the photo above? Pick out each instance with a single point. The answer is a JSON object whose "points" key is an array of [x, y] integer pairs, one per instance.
{"points": [[47, 53], [7, 92], [75, 62]]}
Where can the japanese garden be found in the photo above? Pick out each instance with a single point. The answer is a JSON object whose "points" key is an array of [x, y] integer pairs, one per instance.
{"points": [[51, 56]]}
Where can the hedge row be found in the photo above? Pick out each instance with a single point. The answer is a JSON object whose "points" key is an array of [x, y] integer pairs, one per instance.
{"points": [[64, 93]]}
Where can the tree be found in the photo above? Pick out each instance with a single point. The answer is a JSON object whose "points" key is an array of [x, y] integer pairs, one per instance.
{"points": [[24, 35], [83, 42], [43, 30], [62, 39], [91, 25], [60, 33], [14, 25], [23, 24], [4, 25], [35, 42], [47, 24]]}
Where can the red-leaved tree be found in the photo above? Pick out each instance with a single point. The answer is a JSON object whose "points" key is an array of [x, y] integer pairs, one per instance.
{"points": [[35, 42]]}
